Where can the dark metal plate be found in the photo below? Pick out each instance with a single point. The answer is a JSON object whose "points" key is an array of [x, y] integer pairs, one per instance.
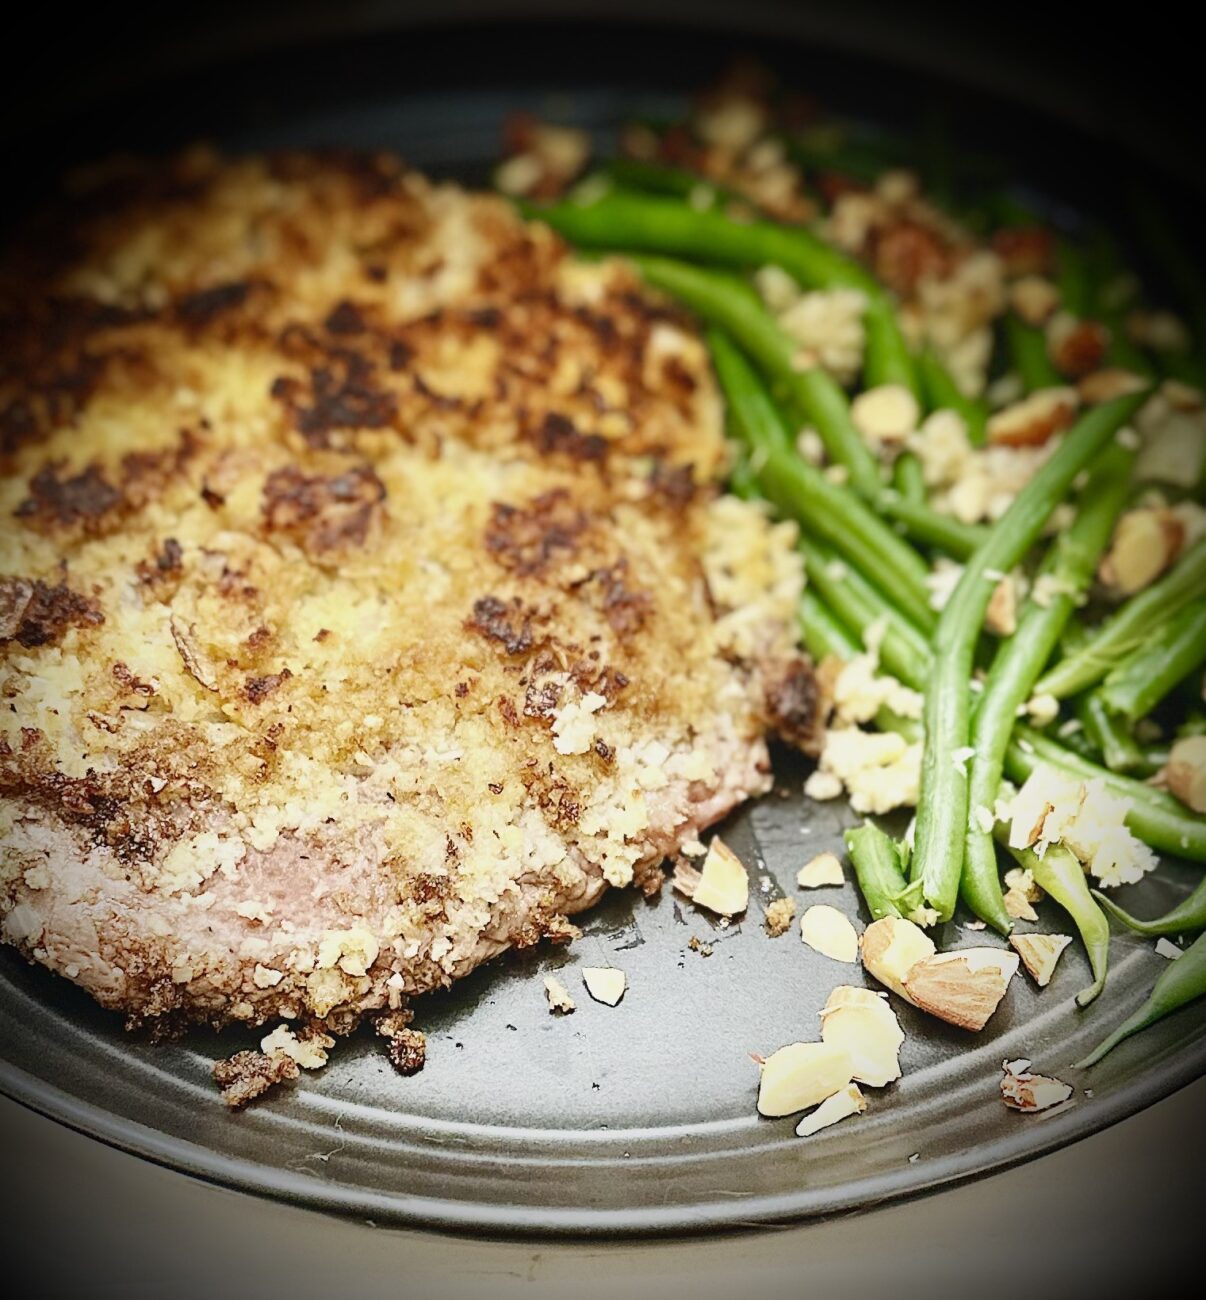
{"points": [[634, 1119]]}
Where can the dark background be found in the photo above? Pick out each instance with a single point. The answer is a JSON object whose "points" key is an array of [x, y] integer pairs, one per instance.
{"points": [[1128, 78]]}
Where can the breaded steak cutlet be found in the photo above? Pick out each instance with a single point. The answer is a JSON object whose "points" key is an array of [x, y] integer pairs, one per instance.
{"points": [[367, 602]]}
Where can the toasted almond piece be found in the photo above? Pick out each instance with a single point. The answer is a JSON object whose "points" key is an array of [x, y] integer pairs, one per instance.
{"points": [[1159, 330], [1166, 948], [1145, 542], [1105, 385], [1030, 422], [1001, 617], [560, 1002], [1182, 396], [963, 988], [1022, 879], [886, 414], [849, 1101], [890, 947], [724, 884], [1077, 347], [1032, 1092], [1034, 298], [801, 1075], [1018, 906], [1040, 953], [866, 1026], [830, 933], [824, 869], [1186, 772], [779, 916], [604, 984]]}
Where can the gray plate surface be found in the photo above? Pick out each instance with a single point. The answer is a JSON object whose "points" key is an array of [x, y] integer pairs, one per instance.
{"points": [[634, 1119]]}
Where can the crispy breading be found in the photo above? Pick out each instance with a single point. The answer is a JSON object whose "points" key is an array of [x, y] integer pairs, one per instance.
{"points": [[367, 602]]}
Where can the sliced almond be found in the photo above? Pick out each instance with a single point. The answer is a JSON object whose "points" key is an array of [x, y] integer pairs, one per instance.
{"points": [[560, 1002], [1001, 617], [866, 1026], [1145, 543], [1031, 1092], [824, 869], [605, 984], [1186, 772], [1033, 420], [890, 947], [1034, 298], [1077, 347], [886, 414], [963, 988], [802, 1075], [724, 885], [1018, 906], [830, 933], [1040, 953], [842, 1104], [193, 660], [1105, 385], [1022, 879]]}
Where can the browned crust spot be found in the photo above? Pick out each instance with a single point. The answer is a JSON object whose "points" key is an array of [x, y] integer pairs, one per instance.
{"points": [[324, 515], [35, 614]]}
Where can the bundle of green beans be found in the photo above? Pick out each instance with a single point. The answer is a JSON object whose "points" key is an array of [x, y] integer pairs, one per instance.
{"points": [[860, 541]]}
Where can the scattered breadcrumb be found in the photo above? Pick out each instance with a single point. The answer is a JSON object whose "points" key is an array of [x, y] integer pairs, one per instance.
{"points": [[309, 1049], [408, 1051], [248, 1075], [824, 869], [698, 945], [560, 1002], [779, 916]]}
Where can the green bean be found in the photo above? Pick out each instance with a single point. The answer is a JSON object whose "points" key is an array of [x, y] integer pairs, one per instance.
{"points": [[822, 631], [907, 478], [904, 651], [659, 178], [1186, 918], [887, 357], [1072, 278], [1129, 627], [649, 223], [1118, 748], [802, 491], [1069, 567], [943, 531], [1145, 677], [1182, 982], [943, 394], [877, 868], [734, 307], [1027, 346], [1059, 873], [1155, 817], [942, 809]]}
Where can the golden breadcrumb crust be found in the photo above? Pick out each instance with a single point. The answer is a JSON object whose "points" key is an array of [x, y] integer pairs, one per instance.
{"points": [[366, 602]]}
